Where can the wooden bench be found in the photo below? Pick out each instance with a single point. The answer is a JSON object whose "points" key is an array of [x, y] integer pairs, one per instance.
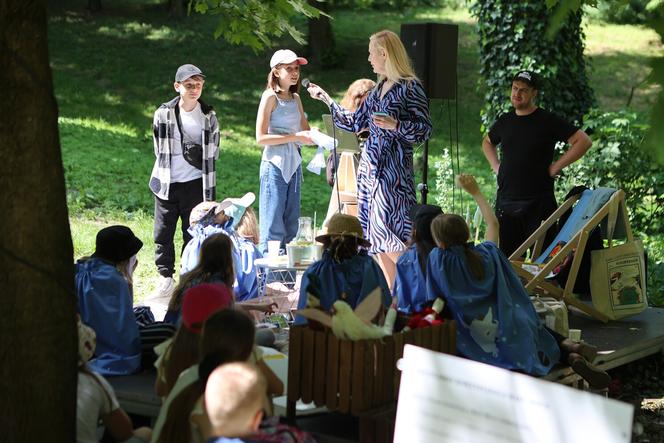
{"points": [[136, 394], [356, 377]]}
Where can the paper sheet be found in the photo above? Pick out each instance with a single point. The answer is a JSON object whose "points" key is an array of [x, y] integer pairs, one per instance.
{"points": [[443, 398]]}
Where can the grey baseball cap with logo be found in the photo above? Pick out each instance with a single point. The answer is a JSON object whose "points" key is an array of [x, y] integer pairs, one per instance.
{"points": [[186, 71]]}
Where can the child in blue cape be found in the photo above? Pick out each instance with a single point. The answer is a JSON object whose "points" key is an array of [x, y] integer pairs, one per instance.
{"points": [[125, 337], [410, 283], [496, 321], [345, 272], [233, 217]]}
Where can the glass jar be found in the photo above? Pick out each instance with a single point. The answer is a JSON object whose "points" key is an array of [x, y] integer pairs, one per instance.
{"points": [[305, 234]]}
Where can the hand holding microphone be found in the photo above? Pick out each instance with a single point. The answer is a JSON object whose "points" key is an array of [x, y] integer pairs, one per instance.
{"points": [[316, 92]]}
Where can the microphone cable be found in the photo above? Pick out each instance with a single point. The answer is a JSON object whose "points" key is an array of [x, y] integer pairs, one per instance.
{"points": [[306, 83]]}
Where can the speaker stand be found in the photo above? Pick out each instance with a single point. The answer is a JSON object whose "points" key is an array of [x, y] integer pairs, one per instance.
{"points": [[424, 187]]}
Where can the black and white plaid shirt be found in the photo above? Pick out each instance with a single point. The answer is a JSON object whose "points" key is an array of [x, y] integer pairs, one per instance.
{"points": [[164, 126]]}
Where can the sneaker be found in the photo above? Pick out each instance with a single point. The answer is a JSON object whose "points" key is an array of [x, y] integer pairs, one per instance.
{"points": [[164, 288]]}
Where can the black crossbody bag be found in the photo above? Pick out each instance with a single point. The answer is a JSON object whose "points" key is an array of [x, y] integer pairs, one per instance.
{"points": [[192, 152]]}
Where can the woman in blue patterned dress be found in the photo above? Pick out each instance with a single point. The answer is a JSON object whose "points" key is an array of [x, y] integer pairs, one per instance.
{"points": [[397, 115]]}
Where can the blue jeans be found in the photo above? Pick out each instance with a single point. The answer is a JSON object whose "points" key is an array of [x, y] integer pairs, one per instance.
{"points": [[279, 205]]}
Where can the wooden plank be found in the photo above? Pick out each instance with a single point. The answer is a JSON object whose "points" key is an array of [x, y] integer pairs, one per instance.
{"points": [[332, 381], [399, 343], [320, 367], [418, 336], [451, 337], [426, 337], [294, 364], [436, 333], [345, 364], [376, 393], [307, 365], [357, 388], [388, 368], [544, 227], [367, 430]]}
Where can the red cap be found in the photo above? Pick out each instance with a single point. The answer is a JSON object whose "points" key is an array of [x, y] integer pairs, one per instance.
{"points": [[201, 301]]}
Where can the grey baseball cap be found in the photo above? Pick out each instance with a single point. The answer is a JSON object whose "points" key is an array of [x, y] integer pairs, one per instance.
{"points": [[186, 71]]}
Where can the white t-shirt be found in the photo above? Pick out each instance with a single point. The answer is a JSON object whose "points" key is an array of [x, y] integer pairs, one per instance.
{"points": [[95, 398], [192, 126]]}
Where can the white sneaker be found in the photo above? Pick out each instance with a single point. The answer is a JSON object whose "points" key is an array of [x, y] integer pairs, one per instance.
{"points": [[164, 288]]}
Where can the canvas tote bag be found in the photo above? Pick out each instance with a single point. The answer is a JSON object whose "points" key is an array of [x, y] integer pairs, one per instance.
{"points": [[617, 277]]}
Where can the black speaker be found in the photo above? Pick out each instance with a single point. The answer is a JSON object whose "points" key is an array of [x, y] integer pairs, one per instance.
{"points": [[432, 47]]}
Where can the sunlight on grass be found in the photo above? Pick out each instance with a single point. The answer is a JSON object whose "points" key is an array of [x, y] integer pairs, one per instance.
{"points": [[147, 31], [99, 125], [604, 39]]}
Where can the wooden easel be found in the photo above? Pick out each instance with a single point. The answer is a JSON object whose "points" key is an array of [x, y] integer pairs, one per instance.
{"points": [[346, 180]]}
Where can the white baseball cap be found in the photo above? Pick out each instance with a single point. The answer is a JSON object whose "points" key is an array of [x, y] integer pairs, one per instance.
{"points": [[286, 56]]}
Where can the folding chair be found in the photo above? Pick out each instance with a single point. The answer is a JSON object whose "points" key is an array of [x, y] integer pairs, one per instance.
{"points": [[602, 205]]}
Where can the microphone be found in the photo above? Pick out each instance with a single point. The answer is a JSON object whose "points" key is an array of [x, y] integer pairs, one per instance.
{"points": [[307, 84], [318, 96]]}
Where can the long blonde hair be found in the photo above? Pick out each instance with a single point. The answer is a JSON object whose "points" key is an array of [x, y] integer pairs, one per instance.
{"points": [[356, 93], [397, 64]]}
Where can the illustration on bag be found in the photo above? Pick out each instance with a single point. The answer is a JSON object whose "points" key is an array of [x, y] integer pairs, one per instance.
{"points": [[625, 281]]}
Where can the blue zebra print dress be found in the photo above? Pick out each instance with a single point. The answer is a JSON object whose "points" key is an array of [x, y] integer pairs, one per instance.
{"points": [[385, 183]]}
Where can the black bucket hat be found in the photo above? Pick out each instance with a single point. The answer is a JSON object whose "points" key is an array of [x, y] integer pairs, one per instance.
{"points": [[421, 216], [116, 243]]}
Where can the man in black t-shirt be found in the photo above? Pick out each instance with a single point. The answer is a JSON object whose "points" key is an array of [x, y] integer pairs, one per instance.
{"points": [[527, 137]]}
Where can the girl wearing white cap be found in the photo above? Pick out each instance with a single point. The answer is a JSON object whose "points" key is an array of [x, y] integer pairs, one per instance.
{"points": [[281, 127]]}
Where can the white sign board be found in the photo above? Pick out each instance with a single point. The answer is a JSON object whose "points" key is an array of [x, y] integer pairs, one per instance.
{"points": [[443, 398]]}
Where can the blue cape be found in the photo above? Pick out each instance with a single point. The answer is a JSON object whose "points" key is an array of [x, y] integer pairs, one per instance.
{"points": [[496, 322], [355, 277], [410, 282], [105, 304], [245, 252]]}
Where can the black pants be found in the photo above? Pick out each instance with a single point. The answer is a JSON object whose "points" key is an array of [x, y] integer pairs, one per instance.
{"points": [[181, 200], [519, 218]]}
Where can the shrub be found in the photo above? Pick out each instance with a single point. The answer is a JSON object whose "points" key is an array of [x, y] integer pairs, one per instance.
{"points": [[617, 160], [634, 12]]}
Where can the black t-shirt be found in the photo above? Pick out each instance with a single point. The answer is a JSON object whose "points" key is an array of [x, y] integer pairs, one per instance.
{"points": [[527, 145]]}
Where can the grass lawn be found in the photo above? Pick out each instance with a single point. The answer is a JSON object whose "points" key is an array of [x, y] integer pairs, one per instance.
{"points": [[113, 69]]}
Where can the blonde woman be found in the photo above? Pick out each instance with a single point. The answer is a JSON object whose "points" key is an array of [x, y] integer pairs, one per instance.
{"points": [[396, 112]]}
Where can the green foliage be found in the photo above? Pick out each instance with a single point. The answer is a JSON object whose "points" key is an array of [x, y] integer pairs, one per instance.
{"points": [[255, 23], [444, 181], [512, 38], [655, 139], [391, 4], [618, 160], [628, 11]]}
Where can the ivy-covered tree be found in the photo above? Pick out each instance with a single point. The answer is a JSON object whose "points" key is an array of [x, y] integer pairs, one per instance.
{"points": [[513, 37]]}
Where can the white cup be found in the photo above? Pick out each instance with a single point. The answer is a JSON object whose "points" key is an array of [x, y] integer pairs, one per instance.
{"points": [[574, 334], [273, 248]]}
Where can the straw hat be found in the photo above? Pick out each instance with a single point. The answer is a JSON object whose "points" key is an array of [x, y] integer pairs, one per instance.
{"points": [[343, 224]]}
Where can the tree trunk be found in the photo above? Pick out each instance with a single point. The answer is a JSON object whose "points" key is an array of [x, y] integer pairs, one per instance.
{"points": [[176, 8], [320, 41], [94, 5], [38, 344]]}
